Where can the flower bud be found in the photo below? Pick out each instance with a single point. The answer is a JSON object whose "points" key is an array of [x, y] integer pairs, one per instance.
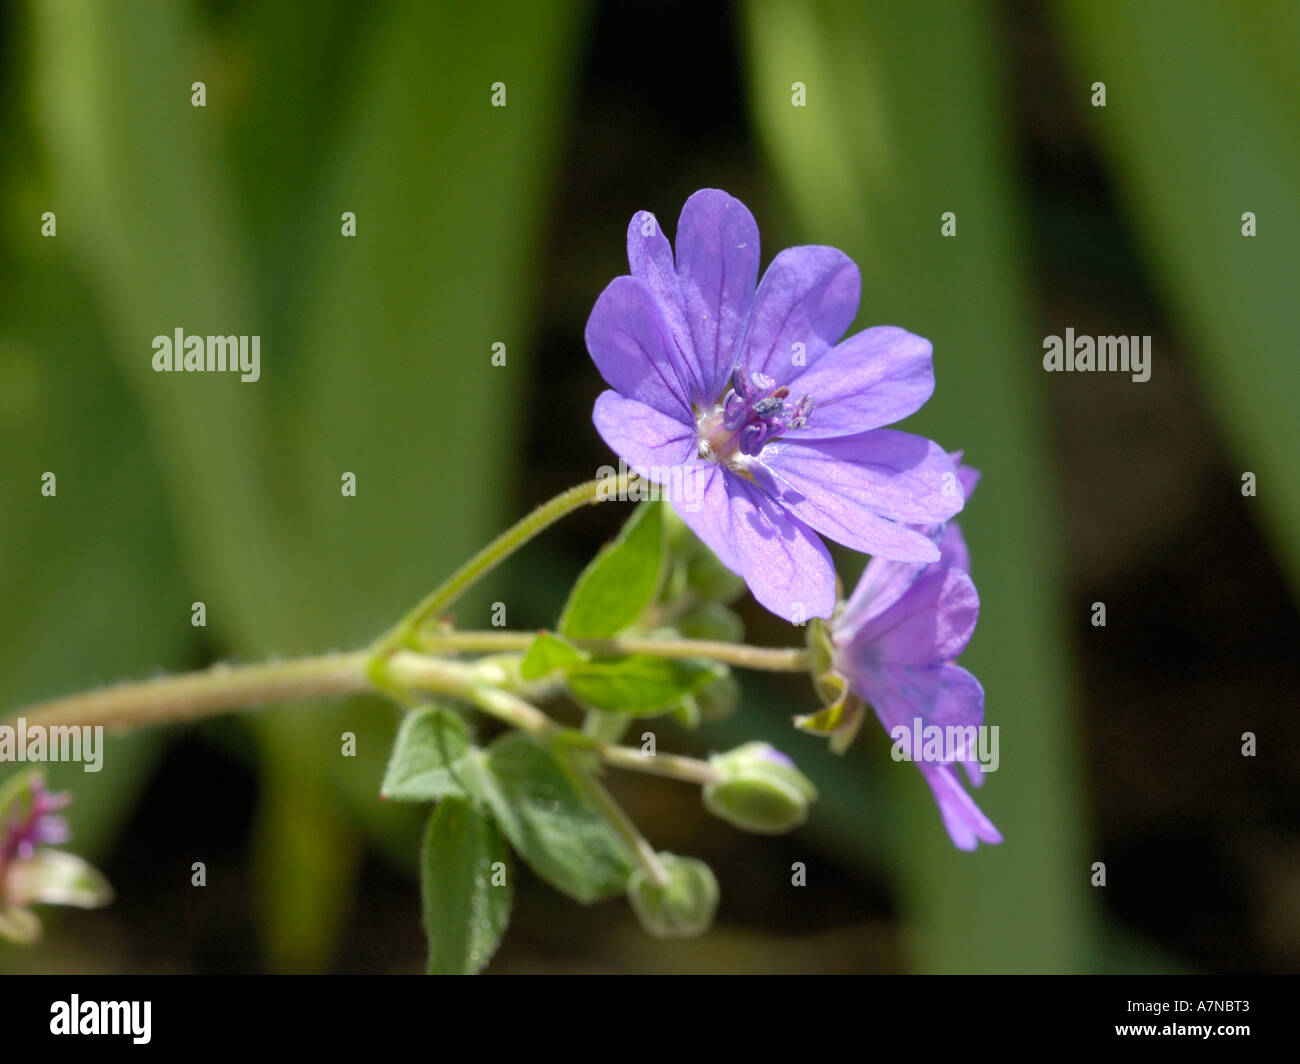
{"points": [[681, 908], [760, 790]]}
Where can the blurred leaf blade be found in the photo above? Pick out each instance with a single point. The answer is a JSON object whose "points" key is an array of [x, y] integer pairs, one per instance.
{"points": [[900, 126], [1200, 127], [467, 897]]}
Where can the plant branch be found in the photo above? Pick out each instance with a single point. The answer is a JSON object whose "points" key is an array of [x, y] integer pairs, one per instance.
{"points": [[590, 493], [771, 659], [195, 695]]}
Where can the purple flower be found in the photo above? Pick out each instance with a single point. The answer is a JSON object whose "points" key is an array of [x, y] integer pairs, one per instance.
{"points": [[895, 642], [762, 426], [30, 871], [33, 824]]}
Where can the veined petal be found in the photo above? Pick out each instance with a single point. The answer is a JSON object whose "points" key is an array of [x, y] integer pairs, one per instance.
{"points": [[929, 625], [872, 379], [785, 564], [650, 442], [807, 298], [952, 548], [650, 258], [717, 268], [883, 582], [864, 490], [629, 342], [967, 826]]}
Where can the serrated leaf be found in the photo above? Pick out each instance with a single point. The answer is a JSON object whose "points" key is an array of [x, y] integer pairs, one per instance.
{"points": [[547, 654], [428, 758], [638, 685], [614, 590], [553, 829], [465, 911]]}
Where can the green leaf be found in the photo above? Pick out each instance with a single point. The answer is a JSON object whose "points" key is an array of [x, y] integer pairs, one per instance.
{"points": [[541, 811], [465, 912], [614, 590], [1206, 131], [548, 653], [860, 173], [428, 759], [642, 686]]}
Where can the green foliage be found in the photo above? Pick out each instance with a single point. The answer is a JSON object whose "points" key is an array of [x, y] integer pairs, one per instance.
{"points": [[635, 684], [1200, 129], [905, 120], [620, 583], [550, 653], [225, 220], [428, 757], [466, 899], [541, 810]]}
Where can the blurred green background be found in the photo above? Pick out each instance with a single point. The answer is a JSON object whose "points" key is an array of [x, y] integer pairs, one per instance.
{"points": [[478, 225]]}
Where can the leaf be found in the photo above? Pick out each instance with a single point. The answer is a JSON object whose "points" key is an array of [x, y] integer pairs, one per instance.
{"points": [[860, 172], [1206, 132], [547, 654], [428, 757], [465, 914], [638, 685], [620, 583], [541, 811]]}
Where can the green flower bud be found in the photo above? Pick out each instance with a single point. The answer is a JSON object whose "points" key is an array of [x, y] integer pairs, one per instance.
{"points": [[681, 908], [760, 790]]}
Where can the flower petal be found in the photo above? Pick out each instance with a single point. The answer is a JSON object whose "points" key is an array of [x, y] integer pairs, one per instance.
{"points": [[785, 564], [952, 548], [807, 298], [717, 268], [873, 378], [629, 343], [863, 490], [929, 625], [650, 442], [967, 826], [883, 582], [650, 258]]}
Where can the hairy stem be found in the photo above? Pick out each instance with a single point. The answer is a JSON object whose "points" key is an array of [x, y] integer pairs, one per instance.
{"points": [[594, 491], [195, 695], [632, 838], [223, 688], [770, 659]]}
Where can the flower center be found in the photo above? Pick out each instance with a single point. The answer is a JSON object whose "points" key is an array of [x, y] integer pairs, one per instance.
{"points": [[752, 413]]}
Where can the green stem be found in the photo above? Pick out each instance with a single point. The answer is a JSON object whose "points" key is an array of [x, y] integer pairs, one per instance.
{"points": [[671, 766], [632, 838], [204, 694], [590, 493], [196, 695], [513, 710], [771, 659]]}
